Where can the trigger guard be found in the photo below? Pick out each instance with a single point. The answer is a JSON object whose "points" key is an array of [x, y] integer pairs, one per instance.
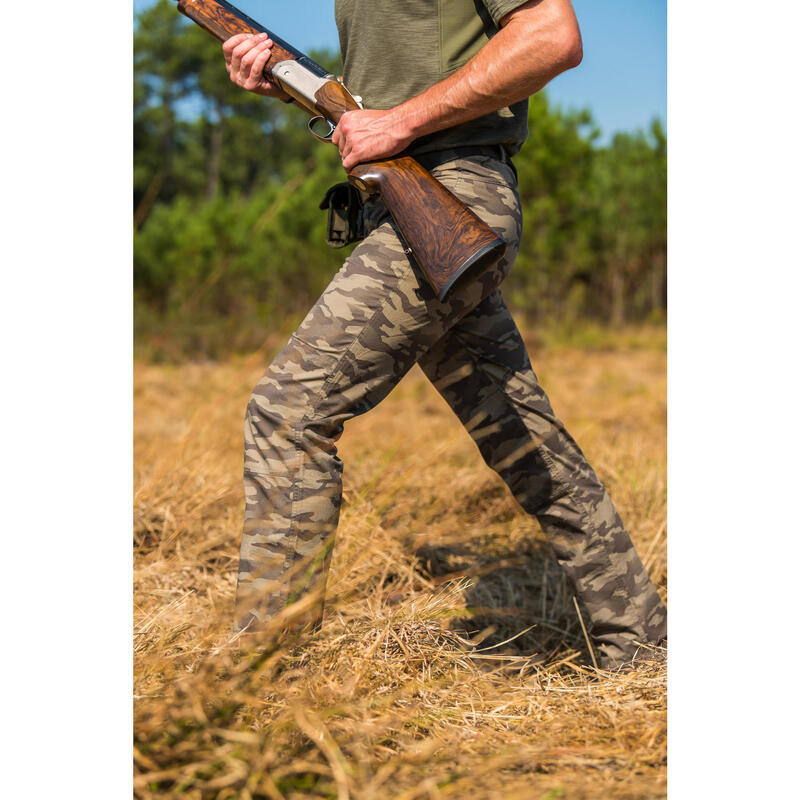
{"points": [[315, 120]]}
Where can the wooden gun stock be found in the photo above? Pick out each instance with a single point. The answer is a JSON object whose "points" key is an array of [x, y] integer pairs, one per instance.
{"points": [[446, 238]]}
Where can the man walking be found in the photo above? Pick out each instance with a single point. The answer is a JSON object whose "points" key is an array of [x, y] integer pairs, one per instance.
{"points": [[447, 83]]}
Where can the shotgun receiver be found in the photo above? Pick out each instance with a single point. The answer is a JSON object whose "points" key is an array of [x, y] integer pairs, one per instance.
{"points": [[446, 239]]}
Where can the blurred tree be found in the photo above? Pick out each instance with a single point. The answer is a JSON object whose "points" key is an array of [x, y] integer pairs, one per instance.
{"points": [[555, 168], [163, 72], [630, 187]]}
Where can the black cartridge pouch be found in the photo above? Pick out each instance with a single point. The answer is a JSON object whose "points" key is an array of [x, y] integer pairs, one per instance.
{"points": [[345, 215]]}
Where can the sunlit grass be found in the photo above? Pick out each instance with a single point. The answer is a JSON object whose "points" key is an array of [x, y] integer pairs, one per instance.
{"points": [[410, 690]]}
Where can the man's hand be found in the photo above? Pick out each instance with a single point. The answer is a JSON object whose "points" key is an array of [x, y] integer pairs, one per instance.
{"points": [[246, 55], [368, 135]]}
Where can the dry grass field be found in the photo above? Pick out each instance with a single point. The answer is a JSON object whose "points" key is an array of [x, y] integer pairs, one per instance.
{"points": [[411, 689]]}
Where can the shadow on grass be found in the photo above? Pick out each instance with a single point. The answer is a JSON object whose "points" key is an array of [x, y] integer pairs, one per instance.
{"points": [[507, 593]]}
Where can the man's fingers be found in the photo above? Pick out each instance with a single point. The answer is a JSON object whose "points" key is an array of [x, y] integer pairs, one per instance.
{"points": [[340, 131], [252, 54], [237, 38], [252, 74], [351, 155], [244, 47], [342, 144], [260, 61], [229, 44], [238, 52], [250, 41], [351, 159], [346, 154]]}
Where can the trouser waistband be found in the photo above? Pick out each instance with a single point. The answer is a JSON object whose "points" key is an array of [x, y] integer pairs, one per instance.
{"points": [[438, 157]]}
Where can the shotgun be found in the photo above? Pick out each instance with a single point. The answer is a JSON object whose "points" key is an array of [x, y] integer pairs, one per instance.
{"points": [[446, 239]]}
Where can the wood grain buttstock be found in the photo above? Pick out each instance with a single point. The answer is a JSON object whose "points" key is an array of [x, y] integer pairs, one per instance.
{"points": [[447, 239]]}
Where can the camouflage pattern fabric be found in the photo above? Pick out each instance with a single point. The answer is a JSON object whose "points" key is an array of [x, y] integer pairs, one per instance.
{"points": [[375, 320]]}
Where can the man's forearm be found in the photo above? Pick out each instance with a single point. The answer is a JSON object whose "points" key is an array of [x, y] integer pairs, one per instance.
{"points": [[536, 44], [537, 41]]}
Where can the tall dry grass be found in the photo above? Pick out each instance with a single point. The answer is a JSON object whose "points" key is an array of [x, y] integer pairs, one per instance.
{"points": [[412, 688]]}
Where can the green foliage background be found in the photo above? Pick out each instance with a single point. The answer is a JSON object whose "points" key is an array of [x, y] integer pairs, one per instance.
{"points": [[229, 240]]}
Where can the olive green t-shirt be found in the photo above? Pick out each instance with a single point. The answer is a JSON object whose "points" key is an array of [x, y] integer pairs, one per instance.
{"points": [[395, 49]]}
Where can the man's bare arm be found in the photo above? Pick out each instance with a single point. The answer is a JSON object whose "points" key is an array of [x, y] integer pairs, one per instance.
{"points": [[536, 41]]}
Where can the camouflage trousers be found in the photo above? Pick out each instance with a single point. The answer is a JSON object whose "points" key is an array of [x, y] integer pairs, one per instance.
{"points": [[375, 320]]}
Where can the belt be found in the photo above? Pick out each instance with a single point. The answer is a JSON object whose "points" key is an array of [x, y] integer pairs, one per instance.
{"points": [[436, 158]]}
